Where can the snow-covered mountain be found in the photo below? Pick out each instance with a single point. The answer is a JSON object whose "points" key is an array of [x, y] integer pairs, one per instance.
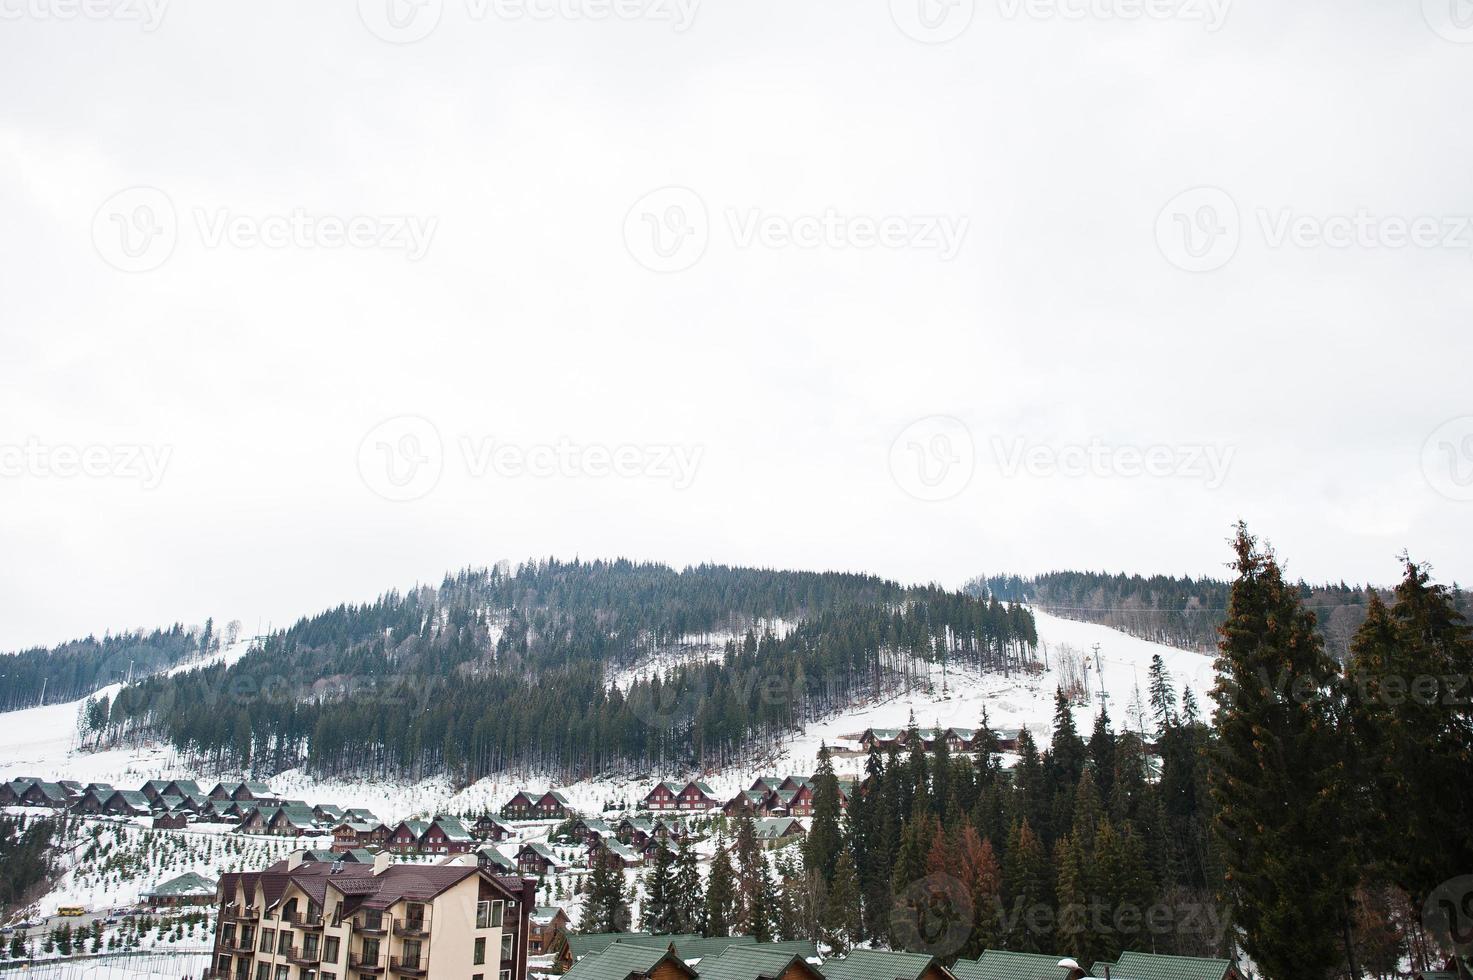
{"points": [[44, 741]]}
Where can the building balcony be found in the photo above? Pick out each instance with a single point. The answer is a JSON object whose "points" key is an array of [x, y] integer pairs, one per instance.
{"points": [[362, 965], [371, 927], [415, 967], [412, 927], [239, 947], [304, 957], [240, 913], [307, 920]]}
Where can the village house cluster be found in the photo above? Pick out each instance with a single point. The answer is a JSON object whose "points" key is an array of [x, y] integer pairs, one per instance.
{"points": [[960, 740]]}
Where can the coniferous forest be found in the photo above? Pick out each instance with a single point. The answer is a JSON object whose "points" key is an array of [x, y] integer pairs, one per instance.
{"points": [[503, 670], [1180, 611]]}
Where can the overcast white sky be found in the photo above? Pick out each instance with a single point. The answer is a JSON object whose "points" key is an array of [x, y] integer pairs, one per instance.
{"points": [[812, 266]]}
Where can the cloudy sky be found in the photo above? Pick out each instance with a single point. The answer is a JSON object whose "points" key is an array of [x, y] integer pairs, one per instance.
{"points": [[302, 302]]}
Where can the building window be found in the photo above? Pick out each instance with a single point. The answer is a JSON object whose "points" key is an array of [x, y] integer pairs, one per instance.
{"points": [[284, 941], [505, 975], [506, 947], [480, 955], [283, 972], [263, 972], [330, 951], [268, 940]]}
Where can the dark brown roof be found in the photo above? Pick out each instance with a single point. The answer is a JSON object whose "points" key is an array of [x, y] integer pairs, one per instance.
{"points": [[398, 882]]}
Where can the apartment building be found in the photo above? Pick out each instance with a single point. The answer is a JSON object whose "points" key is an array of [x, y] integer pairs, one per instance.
{"points": [[302, 920]]}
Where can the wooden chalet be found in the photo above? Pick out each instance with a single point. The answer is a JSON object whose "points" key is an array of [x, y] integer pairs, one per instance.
{"points": [[89, 804], [489, 828], [446, 835], [553, 806], [519, 807], [406, 835], [870, 964], [536, 858], [766, 961], [547, 922], [127, 803], [694, 795], [627, 961]]}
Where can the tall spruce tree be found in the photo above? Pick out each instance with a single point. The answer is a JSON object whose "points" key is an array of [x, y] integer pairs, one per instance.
{"points": [[606, 909], [659, 912], [821, 846], [1409, 670], [689, 898], [721, 899], [1279, 774]]}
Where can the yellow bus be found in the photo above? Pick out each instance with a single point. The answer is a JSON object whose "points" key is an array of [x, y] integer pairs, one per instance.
{"points": [[71, 910]]}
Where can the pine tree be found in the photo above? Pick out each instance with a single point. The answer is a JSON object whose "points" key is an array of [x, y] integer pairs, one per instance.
{"points": [[821, 846], [689, 899], [841, 923], [606, 908], [721, 900], [1413, 718], [1163, 696], [1027, 891], [1279, 774], [658, 912]]}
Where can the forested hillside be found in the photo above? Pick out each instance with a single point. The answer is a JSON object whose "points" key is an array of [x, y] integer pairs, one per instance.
{"points": [[76, 669], [499, 670], [1181, 612]]}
